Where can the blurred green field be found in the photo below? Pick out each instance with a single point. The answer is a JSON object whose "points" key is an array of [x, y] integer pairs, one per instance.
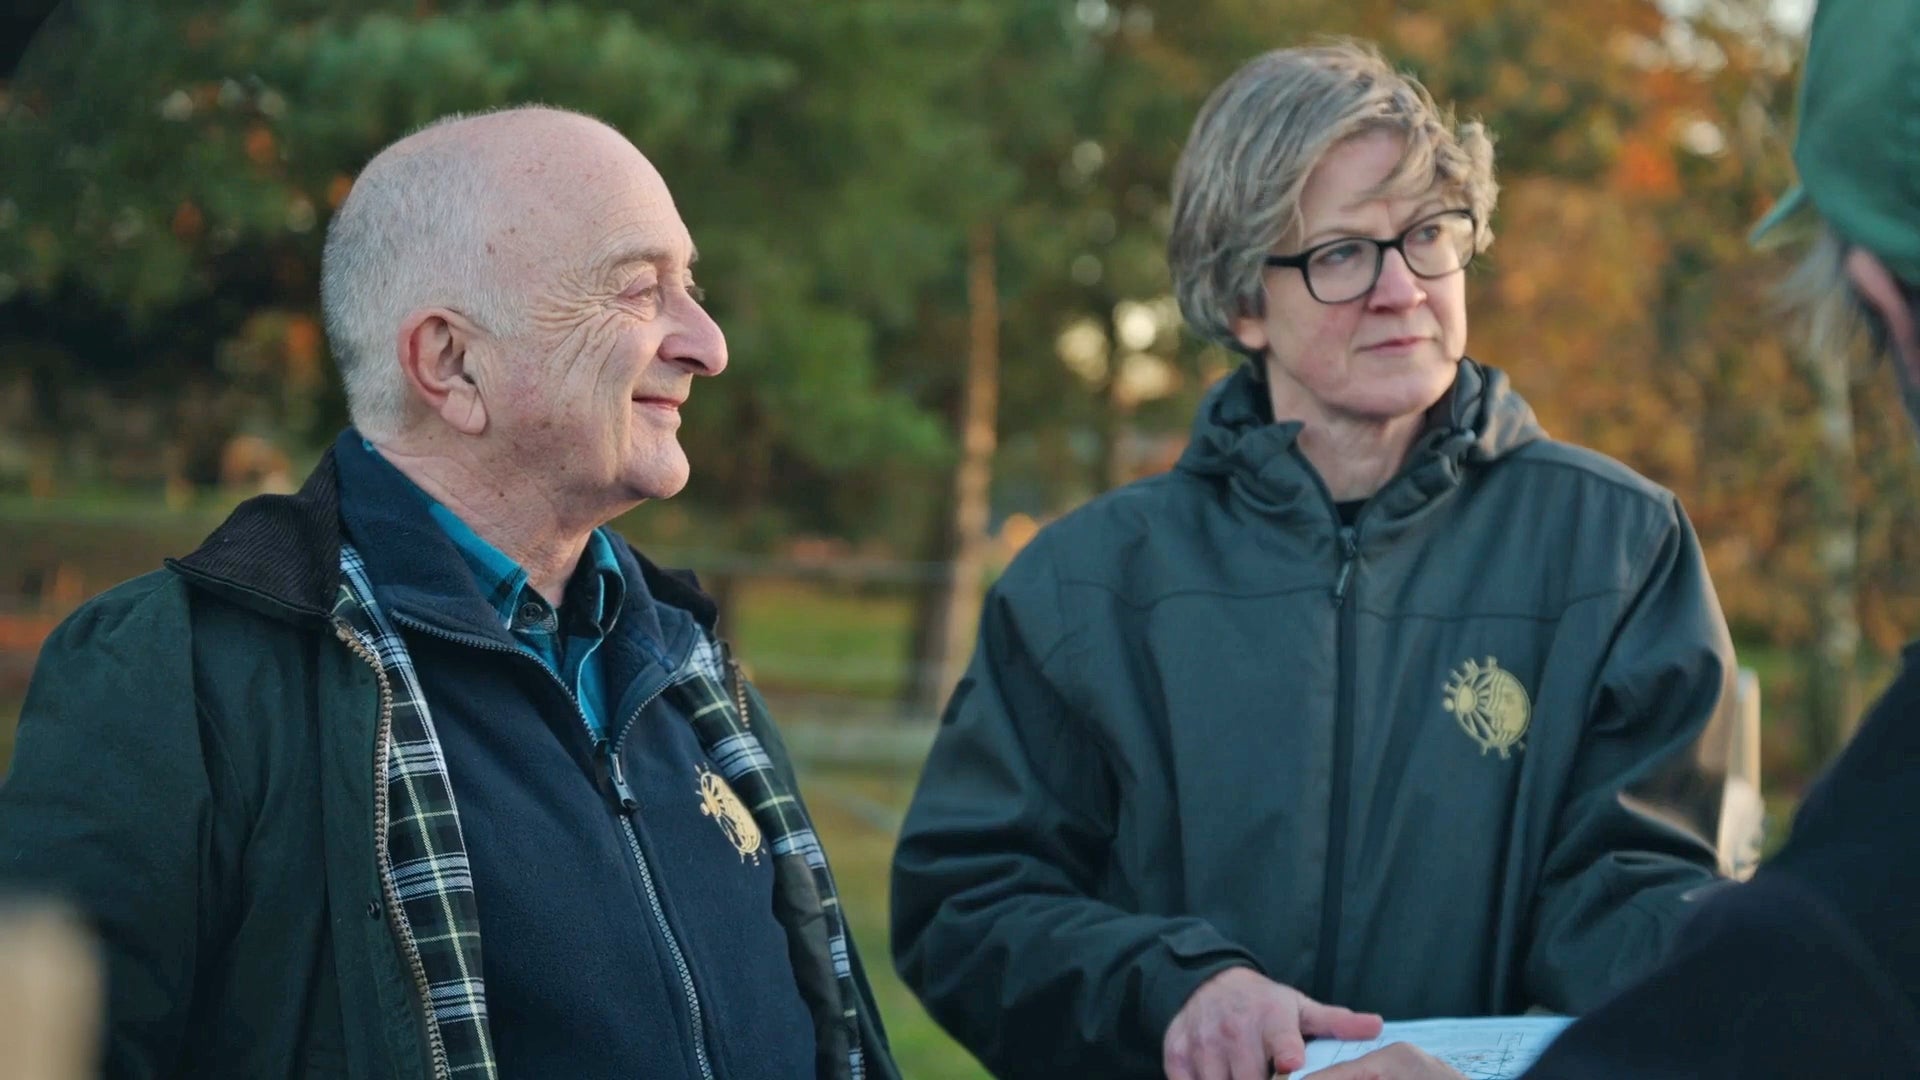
{"points": [[800, 637], [860, 851]]}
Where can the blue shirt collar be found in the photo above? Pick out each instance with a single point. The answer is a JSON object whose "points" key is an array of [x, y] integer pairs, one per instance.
{"points": [[504, 583], [385, 502]]}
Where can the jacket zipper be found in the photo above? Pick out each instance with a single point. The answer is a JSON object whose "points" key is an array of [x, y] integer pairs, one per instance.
{"points": [[739, 685], [1349, 551], [1334, 881], [1335, 876], [624, 804], [629, 804], [383, 855]]}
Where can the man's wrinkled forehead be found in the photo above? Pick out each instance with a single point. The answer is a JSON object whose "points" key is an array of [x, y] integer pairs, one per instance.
{"points": [[593, 216]]}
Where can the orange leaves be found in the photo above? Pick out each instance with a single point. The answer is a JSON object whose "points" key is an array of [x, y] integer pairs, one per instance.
{"points": [[301, 339], [202, 30], [1422, 36], [1645, 168], [187, 221], [262, 148], [281, 348]]}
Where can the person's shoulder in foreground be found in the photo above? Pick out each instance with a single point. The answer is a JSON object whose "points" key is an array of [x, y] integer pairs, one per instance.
{"points": [[1810, 969]]}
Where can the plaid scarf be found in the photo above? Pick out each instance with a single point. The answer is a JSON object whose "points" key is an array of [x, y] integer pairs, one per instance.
{"points": [[429, 886], [428, 883], [805, 897]]}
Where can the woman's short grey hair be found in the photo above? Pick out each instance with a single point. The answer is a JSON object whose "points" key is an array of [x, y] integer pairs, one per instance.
{"points": [[1236, 190], [412, 233]]}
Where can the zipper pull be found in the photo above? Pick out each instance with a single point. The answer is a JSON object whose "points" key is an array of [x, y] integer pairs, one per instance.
{"points": [[736, 682], [1349, 551], [613, 777]]}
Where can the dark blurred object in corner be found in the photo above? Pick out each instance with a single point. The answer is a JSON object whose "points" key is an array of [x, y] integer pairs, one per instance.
{"points": [[18, 20]]}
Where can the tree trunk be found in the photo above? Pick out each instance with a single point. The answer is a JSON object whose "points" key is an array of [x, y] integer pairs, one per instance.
{"points": [[1832, 699], [1115, 416], [949, 637], [1115, 468]]}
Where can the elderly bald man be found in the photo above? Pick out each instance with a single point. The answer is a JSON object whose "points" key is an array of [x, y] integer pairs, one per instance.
{"points": [[424, 771]]}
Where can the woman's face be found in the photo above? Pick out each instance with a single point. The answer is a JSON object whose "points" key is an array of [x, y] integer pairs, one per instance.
{"points": [[1391, 352]]}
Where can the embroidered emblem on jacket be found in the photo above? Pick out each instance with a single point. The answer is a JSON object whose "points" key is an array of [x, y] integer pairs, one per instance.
{"points": [[718, 802], [1490, 705]]}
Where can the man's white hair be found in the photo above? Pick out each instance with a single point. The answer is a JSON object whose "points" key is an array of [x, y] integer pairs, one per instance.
{"points": [[411, 234]]}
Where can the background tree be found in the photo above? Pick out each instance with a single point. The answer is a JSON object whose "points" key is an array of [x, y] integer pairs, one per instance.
{"points": [[168, 170]]}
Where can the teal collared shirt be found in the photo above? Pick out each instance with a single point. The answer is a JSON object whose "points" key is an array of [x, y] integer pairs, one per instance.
{"points": [[566, 640]]}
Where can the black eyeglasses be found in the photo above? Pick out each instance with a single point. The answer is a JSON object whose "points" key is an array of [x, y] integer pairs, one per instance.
{"points": [[1348, 268]]}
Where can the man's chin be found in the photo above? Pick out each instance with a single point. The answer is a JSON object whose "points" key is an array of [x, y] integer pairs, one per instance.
{"points": [[659, 479]]}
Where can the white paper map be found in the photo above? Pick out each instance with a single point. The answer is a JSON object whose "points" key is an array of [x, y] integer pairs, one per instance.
{"points": [[1484, 1048]]}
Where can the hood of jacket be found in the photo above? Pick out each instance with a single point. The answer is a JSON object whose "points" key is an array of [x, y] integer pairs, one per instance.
{"points": [[1481, 420]]}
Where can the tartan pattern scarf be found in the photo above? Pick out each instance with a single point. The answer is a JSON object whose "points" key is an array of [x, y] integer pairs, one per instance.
{"points": [[423, 858], [429, 885], [806, 898]]}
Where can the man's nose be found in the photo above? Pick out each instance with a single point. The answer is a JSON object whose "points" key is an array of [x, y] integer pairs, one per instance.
{"points": [[698, 343]]}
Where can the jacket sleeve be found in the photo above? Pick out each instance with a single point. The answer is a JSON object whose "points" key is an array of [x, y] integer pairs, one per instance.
{"points": [[107, 809], [1767, 980], [1632, 844], [1811, 966], [995, 924]]}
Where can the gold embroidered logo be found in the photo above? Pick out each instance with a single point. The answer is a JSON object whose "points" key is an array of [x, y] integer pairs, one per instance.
{"points": [[1490, 705], [718, 802]]}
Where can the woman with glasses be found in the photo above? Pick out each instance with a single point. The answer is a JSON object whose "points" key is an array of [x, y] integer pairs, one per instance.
{"points": [[1381, 703]]}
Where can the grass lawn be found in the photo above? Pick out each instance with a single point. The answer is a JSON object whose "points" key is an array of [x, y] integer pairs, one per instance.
{"points": [[1784, 758], [801, 637], [861, 850]]}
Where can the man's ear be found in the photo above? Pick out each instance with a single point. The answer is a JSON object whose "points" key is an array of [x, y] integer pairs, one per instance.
{"points": [[1881, 292], [438, 359]]}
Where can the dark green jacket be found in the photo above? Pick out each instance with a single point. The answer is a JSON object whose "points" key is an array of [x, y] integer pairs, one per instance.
{"points": [[195, 771], [1445, 762]]}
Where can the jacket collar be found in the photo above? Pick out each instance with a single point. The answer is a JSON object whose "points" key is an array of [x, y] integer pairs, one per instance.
{"points": [[1235, 438], [418, 567], [280, 555]]}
